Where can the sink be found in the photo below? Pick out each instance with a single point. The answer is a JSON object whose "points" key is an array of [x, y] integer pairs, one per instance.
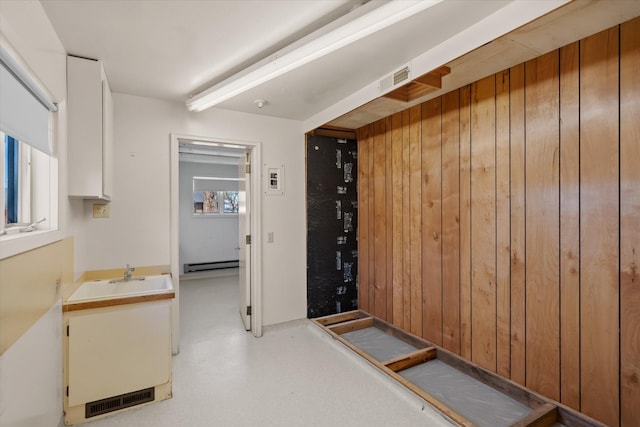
{"points": [[107, 289], [117, 346]]}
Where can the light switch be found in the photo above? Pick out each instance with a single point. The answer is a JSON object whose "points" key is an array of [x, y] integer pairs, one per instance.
{"points": [[270, 237]]}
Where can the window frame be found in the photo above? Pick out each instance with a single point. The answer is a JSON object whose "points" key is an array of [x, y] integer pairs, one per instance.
{"points": [[220, 181], [219, 214], [42, 189], [11, 181], [47, 205]]}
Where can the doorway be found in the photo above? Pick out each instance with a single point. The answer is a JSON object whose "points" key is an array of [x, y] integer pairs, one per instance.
{"points": [[218, 188]]}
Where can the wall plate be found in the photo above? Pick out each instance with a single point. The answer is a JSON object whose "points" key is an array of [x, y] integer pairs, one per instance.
{"points": [[274, 180], [101, 210]]}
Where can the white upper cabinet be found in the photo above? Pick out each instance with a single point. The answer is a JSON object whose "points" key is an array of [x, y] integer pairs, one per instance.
{"points": [[90, 130]]}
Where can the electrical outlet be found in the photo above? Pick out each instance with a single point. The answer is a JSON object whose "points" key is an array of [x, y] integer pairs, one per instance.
{"points": [[100, 210]]}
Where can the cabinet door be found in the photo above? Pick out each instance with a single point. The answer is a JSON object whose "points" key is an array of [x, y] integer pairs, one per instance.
{"points": [[107, 140], [118, 351], [84, 93]]}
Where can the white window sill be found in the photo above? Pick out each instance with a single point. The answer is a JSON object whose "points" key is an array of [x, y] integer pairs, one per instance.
{"points": [[14, 244], [227, 215]]}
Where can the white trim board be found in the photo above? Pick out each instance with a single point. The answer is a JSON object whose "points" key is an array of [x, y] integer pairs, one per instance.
{"points": [[256, 227]]}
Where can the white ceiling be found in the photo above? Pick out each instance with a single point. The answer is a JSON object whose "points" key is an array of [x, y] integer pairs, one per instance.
{"points": [[212, 153], [171, 49], [321, 83]]}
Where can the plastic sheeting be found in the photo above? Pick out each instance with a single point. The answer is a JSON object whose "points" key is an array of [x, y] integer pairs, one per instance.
{"points": [[378, 344], [476, 401], [332, 224]]}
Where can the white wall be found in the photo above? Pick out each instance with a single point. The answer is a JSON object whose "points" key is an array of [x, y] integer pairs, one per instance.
{"points": [[31, 372], [138, 231], [31, 368], [28, 29], [205, 238]]}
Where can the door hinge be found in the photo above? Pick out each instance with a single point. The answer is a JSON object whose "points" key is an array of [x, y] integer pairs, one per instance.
{"points": [[247, 169], [67, 391], [248, 239], [249, 310], [67, 330]]}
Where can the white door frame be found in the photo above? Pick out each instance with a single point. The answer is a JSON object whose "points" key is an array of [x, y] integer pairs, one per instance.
{"points": [[255, 224]]}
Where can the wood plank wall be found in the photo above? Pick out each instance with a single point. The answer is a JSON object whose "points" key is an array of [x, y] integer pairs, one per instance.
{"points": [[502, 222]]}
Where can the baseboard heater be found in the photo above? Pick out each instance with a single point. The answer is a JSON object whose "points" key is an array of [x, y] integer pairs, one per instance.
{"points": [[213, 265]]}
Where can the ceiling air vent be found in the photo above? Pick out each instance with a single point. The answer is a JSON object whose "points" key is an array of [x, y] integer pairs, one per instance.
{"points": [[395, 79], [400, 76]]}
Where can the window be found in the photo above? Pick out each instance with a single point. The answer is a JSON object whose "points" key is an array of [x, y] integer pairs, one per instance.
{"points": [[215, 202], [29, 170], [11, 181], [17, 181], [215, 196], [26, 190], [230, 199]]}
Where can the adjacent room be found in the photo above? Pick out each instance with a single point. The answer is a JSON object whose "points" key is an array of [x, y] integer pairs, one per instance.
{"points": [[320, 212]]}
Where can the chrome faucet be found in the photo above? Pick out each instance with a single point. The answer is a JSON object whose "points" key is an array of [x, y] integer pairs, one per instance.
{"points": [[127, 272], [127, 276]]}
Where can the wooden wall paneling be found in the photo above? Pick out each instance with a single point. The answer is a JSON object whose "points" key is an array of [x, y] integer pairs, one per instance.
{"points": [[406, 222], [483, 223], [569, 227], [503, 231], [630, 222], [599, 226], [517, 222], [465, 222], [372, 222], [451, 221], [538, 271], [390, 206], [389, 216], [397, 206], [542, 225], [432, 221], [415, 219], [380, 220], [364, 196]]}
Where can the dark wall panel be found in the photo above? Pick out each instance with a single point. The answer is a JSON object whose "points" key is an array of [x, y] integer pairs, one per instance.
{"points": [[332, 221]]}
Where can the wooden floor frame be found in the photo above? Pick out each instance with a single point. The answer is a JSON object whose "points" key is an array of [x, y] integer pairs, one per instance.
{"points": [[545, 412]]}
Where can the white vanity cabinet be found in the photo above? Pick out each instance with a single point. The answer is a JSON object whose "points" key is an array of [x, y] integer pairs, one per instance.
{"points": [[116, 357], [90, 130]]}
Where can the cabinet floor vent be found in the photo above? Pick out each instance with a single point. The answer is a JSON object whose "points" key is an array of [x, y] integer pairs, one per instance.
{"points": [[116, 403]]}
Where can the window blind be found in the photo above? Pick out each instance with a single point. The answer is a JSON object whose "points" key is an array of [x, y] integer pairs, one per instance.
{"points": [[22, 115], [214, 184]]}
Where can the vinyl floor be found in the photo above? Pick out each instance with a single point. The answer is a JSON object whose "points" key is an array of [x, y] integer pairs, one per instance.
{"points": [[295, 375]]}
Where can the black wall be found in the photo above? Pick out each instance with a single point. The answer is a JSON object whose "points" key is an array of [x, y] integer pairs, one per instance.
{"points": [[332, 224]]}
